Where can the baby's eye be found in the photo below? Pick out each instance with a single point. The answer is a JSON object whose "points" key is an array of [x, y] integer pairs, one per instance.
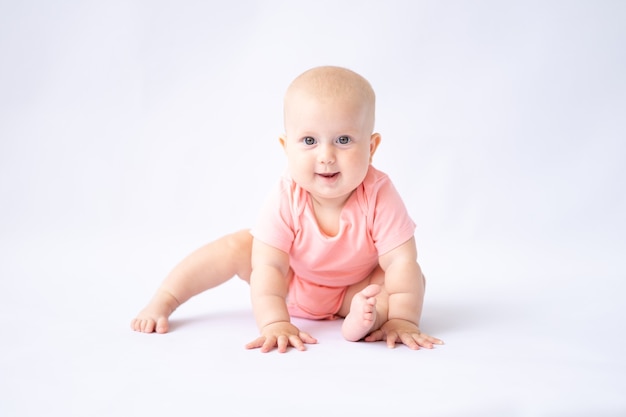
{"points": [[309, 140], [343, 140]]}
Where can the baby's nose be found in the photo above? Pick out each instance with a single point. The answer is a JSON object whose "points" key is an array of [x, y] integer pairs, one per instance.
{"points": [[326, 154]]}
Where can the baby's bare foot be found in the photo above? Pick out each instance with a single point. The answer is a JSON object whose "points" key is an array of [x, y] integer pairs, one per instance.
{"points": [[146, 322], [154, 318], [362, 316]]}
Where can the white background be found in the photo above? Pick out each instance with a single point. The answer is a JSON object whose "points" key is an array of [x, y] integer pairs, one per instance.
{"points": [[132, 132]]}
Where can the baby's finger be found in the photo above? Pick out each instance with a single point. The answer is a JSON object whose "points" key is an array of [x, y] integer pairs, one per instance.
{"points": [[282, 342], [431, 340], [375, 336], [437, 341], [269, 344], [410, 340], [392, 338], [307, 338], [256, 343], [296, 342]]}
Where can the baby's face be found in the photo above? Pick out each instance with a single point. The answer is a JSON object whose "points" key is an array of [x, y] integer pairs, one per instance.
{"points": [[329, 145]]}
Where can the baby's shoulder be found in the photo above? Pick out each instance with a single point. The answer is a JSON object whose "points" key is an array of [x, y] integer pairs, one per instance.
{"points": [[374, 180]]}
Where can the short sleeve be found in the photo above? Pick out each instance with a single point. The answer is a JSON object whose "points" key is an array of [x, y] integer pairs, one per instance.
{"points": [[274, 225], [392, 226]]}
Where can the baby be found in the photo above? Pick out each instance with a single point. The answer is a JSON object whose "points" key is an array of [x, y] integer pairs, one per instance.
{"points": [[334, 239]]}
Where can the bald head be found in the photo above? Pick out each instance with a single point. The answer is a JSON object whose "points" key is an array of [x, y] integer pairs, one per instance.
{"points": [[329, 83]]}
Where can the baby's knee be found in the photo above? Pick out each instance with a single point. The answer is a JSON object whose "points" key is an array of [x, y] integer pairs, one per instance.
{"points": [[240, 242], [240, 250]]}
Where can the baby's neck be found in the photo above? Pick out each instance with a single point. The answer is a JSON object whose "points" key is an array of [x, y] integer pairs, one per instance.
{"points": [[327, 213]]}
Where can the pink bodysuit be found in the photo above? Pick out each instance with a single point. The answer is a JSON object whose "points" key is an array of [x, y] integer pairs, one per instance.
{"points": [[373, 221]]}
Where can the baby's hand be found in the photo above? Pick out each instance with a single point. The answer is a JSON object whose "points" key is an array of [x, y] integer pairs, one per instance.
{"points": [[403, 331], [281, 334]]}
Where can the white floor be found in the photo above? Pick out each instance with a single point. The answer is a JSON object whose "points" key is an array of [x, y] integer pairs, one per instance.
{"points": [[133, 132], [539, 344]]}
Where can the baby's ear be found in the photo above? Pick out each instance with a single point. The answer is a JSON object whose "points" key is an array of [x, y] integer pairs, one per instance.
{"points": [[374, 142]]}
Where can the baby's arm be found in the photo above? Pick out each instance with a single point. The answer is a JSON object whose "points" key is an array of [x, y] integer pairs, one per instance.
{"points": [[268, 288], [404, 283]]}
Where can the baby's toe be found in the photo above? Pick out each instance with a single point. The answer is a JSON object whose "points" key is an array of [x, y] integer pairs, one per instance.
{"points": [[162, 325], [147, 325]]}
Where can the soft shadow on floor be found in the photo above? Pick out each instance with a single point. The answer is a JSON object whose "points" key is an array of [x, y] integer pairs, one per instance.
{"points": [[242, 318], [439, 319]]}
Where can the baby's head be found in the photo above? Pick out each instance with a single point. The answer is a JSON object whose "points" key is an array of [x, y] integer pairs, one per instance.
{"points": [[329, 139], [329, 83]]}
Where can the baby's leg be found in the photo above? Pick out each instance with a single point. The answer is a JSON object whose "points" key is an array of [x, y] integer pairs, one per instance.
{"points": [[207, 267], [364, 307], [154, 317]]}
